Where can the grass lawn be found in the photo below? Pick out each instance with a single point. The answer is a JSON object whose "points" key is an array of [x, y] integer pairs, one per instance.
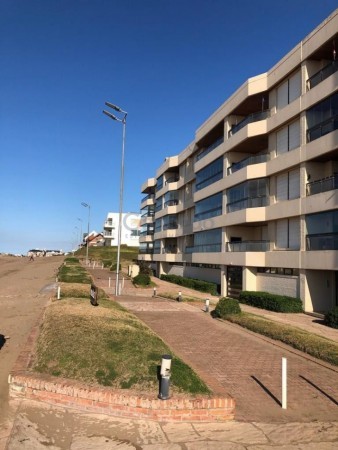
{"points": [[309, 343], [108, 255], [103, 345]]}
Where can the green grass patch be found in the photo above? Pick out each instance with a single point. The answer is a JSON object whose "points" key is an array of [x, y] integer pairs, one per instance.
{"points": [[184, 298], [108, 255], [72, 272], [106, 345], [309, 343]]}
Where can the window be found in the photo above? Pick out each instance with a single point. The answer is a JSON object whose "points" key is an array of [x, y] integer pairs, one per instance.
{"points": [[206, 241], [170, 222], [288, 234], [288, 186], [322, 229], [210, 174], [171, 198], [209, 207], [289, 90], [322, 118], [250, 194], [288, 138], [159, 183]]}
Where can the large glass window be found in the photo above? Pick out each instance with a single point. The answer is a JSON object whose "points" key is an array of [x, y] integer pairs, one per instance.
{"points": [[171, 198], [250, 194], [159, 204], [322, 118], [206, 241], [158, 225], [159, 183], [209, 207], [170, 222], [322, 229], [210, 174]]}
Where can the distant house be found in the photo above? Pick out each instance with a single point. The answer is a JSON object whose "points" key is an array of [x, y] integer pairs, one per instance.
{"points": [[95, 239], [37, 252]]}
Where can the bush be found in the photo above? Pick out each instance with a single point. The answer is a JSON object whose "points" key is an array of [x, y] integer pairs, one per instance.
{"points": [[271, 302], [113, 267], [142, 279], [331, 318], [226, 306], [192, 283], [144, 268]]}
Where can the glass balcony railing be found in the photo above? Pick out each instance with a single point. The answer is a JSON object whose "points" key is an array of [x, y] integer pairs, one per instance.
{"points": [[148, 214], [322, 128], [172, 179], [323, 185], [248, 246], [247, 162], [169, 251], [210, 148], [148, 197], [147, 233], [249, 202], [254, 117], [204, 248], [324, 73], [325, 241], [170, 226], [146, 251], [170, 203]]}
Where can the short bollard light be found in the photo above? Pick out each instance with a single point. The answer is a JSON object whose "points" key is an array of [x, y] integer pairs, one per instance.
{"points": [[179, 298], [207, 302], [154, 292], [59, 292], [165, 377]]}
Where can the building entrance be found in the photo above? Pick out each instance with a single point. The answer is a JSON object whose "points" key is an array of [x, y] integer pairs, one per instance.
{"points": [[234, 281]]}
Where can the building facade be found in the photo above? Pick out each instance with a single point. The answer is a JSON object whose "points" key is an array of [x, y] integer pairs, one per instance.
{"points": [[252, 202], [130, 231]]}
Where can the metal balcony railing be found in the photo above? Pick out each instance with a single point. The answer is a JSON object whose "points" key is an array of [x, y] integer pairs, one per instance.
{"points": [[325, 241], [247, 162], [254, 117], [322, 128], [148, 197], [323, 185], [170, 203], [170, 226], [249, 202], [324, 73], [210, 148], [172, 179], [146, 251], [248, 246], [204, 248]]}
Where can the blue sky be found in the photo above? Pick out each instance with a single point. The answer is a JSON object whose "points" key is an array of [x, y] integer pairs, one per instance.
{"points": [[169, 64]]}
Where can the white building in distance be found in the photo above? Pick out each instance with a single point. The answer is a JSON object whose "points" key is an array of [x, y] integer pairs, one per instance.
{"points": [[130, 231]]}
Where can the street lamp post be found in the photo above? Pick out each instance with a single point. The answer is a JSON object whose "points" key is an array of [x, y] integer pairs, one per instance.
{"points": [[123, 120], [86, 205], [81, 235]]}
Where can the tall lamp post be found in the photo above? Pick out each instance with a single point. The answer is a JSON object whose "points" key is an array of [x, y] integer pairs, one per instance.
{"points": [[86, 205], [81, 235], [123, 120]]}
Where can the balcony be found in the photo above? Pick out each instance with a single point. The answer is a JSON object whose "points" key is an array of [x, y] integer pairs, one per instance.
{"points": [[108, 234], [210, 148], [325, 241], [109, 224], [148, 197], [248, 246], [204, 248], [170, 226], [249, 202], [254, 117], [145, 251], [170, 203], [322, 128], [147, 233], [323, 185], [247, 162], [169, 251], [320, 76], [172, 179]]}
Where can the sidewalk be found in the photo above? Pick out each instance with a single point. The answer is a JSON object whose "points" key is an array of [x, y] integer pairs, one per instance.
{"points": [[235, 361]]}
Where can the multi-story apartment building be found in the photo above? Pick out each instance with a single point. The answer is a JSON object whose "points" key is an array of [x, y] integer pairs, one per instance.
{"points": [[252, 202], [130, 230]]}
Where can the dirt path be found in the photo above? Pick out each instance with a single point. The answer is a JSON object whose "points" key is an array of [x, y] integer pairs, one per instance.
{"points": [[25, 289]]}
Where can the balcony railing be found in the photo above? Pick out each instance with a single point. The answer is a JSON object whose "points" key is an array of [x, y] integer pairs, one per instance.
{"points": [[210, 148], [147, 233], [146, 251], [109, 224], [248, 246], [170, 203], [107, 234], [324, 73], [169, 251], [254, 117], [172, 179], [323, 185], [249, 202], [247, 162], [322, 128], [157, 251], [204, 248], [148, 214], [148, 197], [327, 241], [170, 226]]}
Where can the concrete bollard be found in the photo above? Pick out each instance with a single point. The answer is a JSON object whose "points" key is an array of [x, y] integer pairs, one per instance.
{"points": [[59, 292], [207, 301], [179, 298], [109, 280], [154, 292], [165, 377]]}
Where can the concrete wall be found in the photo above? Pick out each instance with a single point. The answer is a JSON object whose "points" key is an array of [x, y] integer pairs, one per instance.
{"points": [[278, 284]]}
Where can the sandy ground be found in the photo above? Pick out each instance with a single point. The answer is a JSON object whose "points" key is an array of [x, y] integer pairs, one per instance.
{"points": [[26, 287]]}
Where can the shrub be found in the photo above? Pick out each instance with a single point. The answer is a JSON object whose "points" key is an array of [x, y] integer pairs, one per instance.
{"points": [[271, 302], [331, 318], [192, 283], [226, 306], [113, 267], [142, 279], [144, 268]]}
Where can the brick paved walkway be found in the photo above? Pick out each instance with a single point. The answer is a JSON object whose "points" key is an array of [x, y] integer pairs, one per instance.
{"points": [[248, 367]]}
